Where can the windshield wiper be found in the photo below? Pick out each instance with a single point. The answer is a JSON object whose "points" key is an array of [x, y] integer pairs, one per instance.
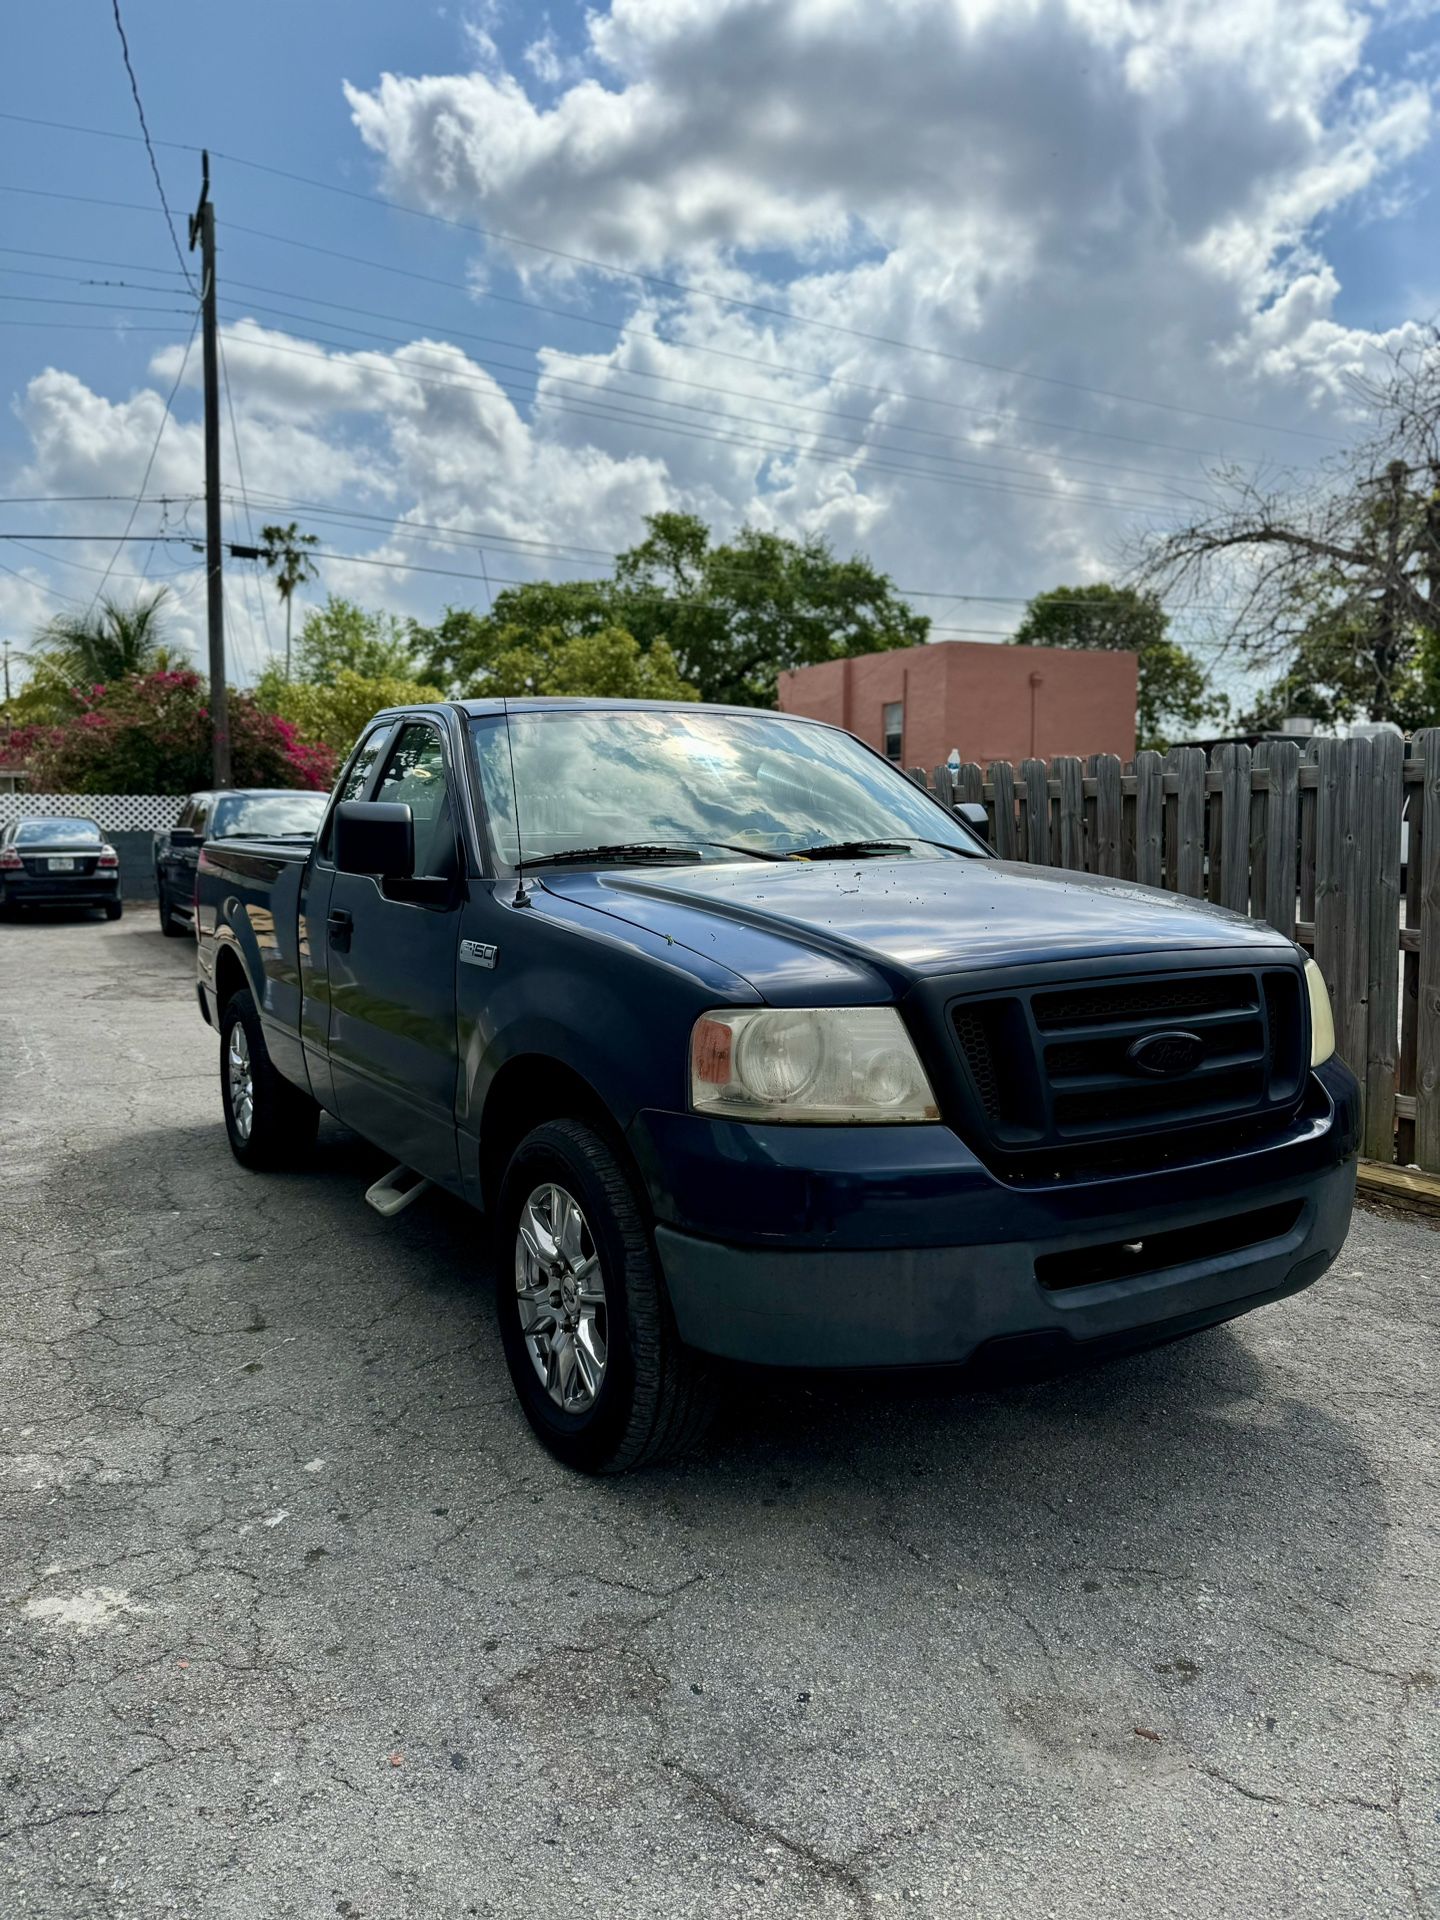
{"points": [[625, 850], [858, 849]]}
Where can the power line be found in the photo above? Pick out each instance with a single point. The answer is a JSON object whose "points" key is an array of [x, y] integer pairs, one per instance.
{"points": [[88, 260], [240, 474], [92, 326], [149, 148], [149, 464], [640, 373], [783, 368], [486, 578], [40, 586], [450, 332], [788, 449], [691, 291]]}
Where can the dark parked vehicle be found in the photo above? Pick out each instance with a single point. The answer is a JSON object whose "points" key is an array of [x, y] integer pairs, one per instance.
{"points": [[266, 812], [59, 862], [751, 1049]]}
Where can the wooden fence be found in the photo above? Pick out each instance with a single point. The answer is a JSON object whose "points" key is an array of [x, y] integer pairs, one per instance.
{"points": [[1311, 840]]}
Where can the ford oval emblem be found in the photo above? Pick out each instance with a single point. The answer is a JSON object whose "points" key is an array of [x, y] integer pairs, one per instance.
{"points": [[1163, 1056]]}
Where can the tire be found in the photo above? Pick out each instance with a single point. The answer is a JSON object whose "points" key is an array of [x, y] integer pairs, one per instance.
{"points": [[167, 917], [279, 1128], [652, 1397], [114, 909]]}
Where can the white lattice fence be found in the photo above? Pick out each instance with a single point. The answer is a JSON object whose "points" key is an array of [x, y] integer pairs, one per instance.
{"points": [[111, 812]]}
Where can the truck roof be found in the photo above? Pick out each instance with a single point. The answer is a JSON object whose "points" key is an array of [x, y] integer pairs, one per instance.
{"points": [[545, 703]]}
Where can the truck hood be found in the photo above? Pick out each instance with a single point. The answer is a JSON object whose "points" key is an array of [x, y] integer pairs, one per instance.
{"points": [[905, 918]]}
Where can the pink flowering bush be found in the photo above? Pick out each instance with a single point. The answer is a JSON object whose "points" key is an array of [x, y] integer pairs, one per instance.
{"points": [[150, 733]]}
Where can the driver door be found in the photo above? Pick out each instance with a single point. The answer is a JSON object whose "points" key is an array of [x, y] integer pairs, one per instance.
{"points": [[392, 967]]}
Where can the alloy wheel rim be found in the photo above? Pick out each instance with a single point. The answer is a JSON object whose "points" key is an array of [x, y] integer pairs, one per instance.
{"points": [[242, 1081], [560, 1293]]}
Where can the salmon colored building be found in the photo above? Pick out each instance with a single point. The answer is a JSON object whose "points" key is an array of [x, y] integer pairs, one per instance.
{"points": [[992, 702]]}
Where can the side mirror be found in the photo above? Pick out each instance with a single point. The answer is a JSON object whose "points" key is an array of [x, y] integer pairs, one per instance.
{"points": [[973, 813], [376, 837], [184, 837]]}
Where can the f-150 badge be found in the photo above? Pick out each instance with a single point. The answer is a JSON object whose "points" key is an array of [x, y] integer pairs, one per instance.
{"points": [[478, 953]]}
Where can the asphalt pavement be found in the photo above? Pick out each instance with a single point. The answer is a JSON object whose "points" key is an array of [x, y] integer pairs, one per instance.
{"points": [[297, 1619]]}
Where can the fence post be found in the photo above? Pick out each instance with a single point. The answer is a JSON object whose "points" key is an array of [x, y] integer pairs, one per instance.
{"points": [[1003, 836], [1232, 844], [1109, 815], [1309, 811], [1342, 891], [1382, 861], [1035, 812], [1070, 772], [1427, 1001], [942, 785], [917, 774], [1414, 829], [1185, 827], [1149, 818], [1276, 817]]}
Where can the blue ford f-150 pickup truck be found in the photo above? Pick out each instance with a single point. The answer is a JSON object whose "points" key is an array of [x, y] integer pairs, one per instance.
{"points": [[751, 1049]]}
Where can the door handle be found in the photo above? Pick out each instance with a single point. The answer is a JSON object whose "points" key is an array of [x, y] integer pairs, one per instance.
{"points": [[341, 924]]}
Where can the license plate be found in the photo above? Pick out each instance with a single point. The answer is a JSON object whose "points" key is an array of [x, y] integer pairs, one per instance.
{"points": [[62, 866]]}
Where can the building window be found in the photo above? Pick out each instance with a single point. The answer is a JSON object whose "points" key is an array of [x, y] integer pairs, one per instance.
{"points": [[893, 727]]}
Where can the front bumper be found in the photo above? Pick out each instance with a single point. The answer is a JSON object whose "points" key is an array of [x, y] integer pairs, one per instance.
{"points": [[923, 1257]]}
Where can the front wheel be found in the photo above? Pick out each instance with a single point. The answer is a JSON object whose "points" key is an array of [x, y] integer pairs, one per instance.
{"points": [[591, 1343], [271, 1123]]}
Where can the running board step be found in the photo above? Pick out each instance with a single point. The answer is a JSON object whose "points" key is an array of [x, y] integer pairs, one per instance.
{"points": [[392, 1194]]}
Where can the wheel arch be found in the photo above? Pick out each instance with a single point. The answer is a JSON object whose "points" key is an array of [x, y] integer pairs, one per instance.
{"points": [[529, 1089], [230, 974]]}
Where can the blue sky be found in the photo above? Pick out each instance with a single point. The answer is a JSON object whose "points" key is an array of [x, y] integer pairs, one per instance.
{"points": [[1050, 259]]}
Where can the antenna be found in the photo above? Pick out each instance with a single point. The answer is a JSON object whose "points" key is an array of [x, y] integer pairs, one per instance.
{"points": [[522, 897]]}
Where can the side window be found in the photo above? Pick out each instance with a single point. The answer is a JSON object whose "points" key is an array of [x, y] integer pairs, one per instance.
{"points": [[415, 775], [352, 781], [200, 822]]}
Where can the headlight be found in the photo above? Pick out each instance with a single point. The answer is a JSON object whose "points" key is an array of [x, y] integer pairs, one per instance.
{"points": [[1322, 1020], [822, 1064]]}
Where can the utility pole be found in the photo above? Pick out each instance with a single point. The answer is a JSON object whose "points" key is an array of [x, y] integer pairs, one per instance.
{"points": [[202, 228]]}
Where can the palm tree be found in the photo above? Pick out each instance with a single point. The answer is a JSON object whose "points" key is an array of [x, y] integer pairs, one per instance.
{"points": [[99, 646], [286, 557]]}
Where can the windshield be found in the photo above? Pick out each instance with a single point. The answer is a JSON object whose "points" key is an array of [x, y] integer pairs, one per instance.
{"points": [[33, 831], [266, 816], [708, 781]]}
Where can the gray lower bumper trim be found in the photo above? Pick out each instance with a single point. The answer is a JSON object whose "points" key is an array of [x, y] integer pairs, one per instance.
{"points": [[935, 1306]]}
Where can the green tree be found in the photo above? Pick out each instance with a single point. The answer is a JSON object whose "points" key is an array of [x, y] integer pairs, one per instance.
{"points": [[733, 615], [286, 557], [342, 637], [610, 664], [1173, 696], [106, 643], [333, 713], [1348, 561]]}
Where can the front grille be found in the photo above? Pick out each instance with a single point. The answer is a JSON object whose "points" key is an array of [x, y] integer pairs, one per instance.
{"points": [[1051, 1067]]}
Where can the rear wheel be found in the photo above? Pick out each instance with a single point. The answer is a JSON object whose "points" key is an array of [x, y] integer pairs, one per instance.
{"points": [[592, 1346], [270, 1122], [113, 909]]}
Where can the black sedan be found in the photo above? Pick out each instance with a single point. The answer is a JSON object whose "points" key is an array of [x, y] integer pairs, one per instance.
{"points": [[59, 862]]}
